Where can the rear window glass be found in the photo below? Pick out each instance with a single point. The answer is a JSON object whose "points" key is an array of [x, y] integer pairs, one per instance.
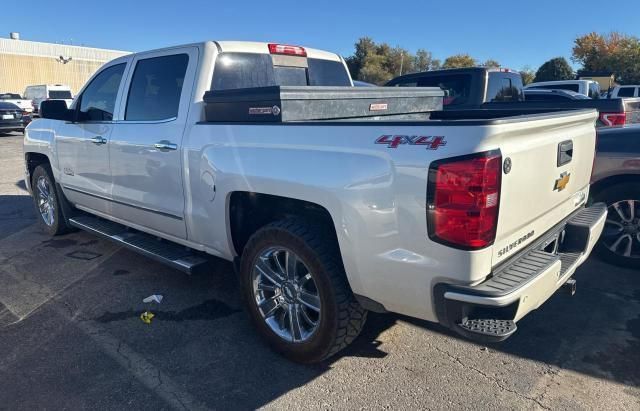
{"points": [[10, 96], [290, 76], [60, 94], [504, 87], [242, 70], [571, 87], [626, 91], [456, 87]]}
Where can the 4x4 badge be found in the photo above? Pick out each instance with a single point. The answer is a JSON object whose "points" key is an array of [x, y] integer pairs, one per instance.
{"points": [[562, 182]]}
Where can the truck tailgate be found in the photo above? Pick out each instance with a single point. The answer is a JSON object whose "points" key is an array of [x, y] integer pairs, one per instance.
{"points": [[547, 166]]}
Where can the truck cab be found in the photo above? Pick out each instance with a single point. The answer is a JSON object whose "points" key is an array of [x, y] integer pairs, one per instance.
{"points": [[467, 88]]}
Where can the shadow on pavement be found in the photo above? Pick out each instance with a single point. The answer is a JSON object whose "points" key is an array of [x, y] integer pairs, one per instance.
{"points": [[16, 213]]}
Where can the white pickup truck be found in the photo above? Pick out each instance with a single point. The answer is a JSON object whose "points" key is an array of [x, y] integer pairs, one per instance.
{"points": [[16, 99], [468, 218]]}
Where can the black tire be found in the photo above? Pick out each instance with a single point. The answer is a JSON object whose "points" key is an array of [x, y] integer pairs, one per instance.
{"points": [[610, 196], [341, 316], [58, 224]]}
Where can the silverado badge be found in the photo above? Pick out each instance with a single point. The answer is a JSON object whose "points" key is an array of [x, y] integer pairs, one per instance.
{"points": [[562, 182]]}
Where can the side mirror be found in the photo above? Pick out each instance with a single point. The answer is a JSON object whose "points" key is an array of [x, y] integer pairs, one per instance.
{"points": [[55, 110]]}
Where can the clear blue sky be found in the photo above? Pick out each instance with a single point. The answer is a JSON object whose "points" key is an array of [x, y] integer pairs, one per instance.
{"points": [[514, 32]]}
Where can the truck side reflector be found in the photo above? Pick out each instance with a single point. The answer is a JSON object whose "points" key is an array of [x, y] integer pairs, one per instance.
{"points": [[463, 199], [287, 49]]}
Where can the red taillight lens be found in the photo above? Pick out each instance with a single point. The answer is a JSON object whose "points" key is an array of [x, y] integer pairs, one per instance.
{"points": [[613, 119], [463, 200], [286, 49]]}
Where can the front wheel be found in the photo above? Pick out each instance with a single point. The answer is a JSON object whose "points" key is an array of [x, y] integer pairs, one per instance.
{"points": [[620, 240], [46, 201], [297, 292]]}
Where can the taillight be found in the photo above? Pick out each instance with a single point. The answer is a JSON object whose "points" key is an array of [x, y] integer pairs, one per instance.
{"points": [[286, 49], [463, 199], [613, 119]]}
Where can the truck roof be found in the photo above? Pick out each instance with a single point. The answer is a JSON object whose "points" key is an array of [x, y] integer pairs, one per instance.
{"points": [[243, 47]]}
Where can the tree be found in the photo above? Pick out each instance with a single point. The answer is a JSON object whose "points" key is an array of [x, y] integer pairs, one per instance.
{"points": [[491, 63], [615, 52], [555, 69], [422, 60], [379, 62], [527, 74], [459, 61]]}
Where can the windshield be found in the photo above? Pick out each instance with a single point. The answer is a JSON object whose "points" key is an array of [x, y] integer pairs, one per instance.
{"points": [[243, 70], [60, 94], [571, 87]]}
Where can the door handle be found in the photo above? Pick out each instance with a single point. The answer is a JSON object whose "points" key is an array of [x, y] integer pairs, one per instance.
{"points": [[99, 140], [165, 145]]}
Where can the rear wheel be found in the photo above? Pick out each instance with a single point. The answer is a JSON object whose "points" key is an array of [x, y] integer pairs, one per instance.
{"points": [[297, 293], [620, 240], [46, 201]]}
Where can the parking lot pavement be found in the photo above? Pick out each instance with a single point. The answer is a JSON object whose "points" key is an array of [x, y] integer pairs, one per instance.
{"points": [[71, 337]]}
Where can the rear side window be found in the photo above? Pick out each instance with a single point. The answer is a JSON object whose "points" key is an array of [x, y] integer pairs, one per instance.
{"points": [[156, 87], [626, 91], [99, 98], [60, 94], [243, 70]]}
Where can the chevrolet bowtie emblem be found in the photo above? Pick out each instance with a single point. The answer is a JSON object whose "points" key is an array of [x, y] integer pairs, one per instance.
{"points": [[562, 182]]}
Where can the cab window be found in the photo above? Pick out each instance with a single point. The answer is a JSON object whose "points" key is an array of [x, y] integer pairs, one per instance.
{"points": [[98, 100], [156, 86]]}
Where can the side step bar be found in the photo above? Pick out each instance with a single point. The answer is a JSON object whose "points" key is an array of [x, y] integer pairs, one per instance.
{"points": [[174, 255]]}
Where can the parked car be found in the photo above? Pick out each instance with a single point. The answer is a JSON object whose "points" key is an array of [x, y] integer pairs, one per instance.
{"points": [[616, 182], [624, 91], [501, 89], [552, 95], [10, 117], [589, 88], [331, 201], [24, 104], [38, 94]]}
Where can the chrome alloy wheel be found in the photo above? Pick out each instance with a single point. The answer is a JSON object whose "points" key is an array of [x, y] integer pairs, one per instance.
{"points": [[286, 294], [45, 201], [621, 233]]}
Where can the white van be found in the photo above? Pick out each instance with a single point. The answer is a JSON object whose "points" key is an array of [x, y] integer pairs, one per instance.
{"points": [[37, 94], [625, 91], [589, 88]]}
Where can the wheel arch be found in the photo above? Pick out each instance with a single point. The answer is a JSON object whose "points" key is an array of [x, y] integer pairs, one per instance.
{"points": [[598, 187], [249, 211]]}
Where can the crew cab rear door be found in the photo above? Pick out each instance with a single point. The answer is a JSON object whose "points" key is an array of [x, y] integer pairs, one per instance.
{"points": [[146, 141]]}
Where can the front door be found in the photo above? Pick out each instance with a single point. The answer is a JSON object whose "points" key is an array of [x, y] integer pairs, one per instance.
{"points": [[83, 145], [145, 146]]}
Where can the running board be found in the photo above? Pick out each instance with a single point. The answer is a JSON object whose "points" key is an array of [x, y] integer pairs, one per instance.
{"points": [[171, 254]]}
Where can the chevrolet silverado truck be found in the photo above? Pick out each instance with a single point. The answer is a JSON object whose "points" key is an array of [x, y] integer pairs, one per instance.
{"points": [[477, 88], [331, 200]]}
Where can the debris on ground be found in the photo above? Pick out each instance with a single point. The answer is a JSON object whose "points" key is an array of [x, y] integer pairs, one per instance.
{"points": [[146, 317], [156, 297]]}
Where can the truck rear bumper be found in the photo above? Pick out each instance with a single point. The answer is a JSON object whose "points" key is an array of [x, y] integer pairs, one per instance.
{"points": [[523, 283]]}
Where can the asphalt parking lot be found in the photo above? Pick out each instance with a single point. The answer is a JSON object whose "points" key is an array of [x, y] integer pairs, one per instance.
{"points": [[71, 337]]}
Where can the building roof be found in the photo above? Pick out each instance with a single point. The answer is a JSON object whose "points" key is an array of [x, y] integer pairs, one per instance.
{"points": [[35, 48]]}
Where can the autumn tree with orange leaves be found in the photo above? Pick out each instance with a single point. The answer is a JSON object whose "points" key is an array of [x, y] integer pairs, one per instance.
{"points": [[615, 52]]}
